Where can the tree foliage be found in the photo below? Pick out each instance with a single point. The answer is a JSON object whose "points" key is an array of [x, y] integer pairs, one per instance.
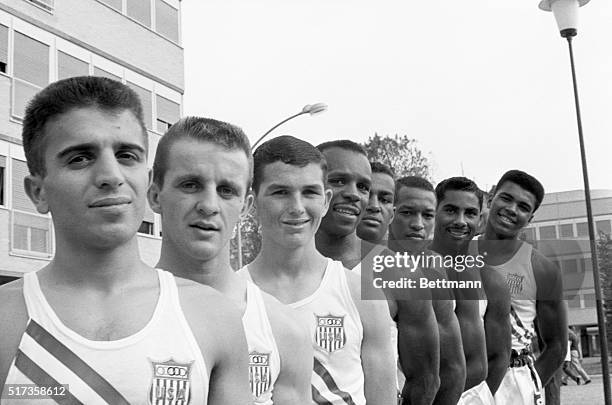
{"points": [[400, 153], [251, 242]]}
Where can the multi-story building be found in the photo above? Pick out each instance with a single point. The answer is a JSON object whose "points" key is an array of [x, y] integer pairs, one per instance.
{"points": [[560, 226], [135, 41]]}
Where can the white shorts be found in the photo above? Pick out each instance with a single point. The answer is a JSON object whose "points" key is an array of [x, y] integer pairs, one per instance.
{"points": [[519, 388], [477, 395]]}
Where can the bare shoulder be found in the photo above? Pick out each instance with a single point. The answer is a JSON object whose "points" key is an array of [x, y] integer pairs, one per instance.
{"points": [[209, 304], [543, 268], [13, 320], [12, 306], [493, 281]]}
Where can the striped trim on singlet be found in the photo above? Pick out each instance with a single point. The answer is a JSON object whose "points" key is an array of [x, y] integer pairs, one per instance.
{"points": [[54, 361]]}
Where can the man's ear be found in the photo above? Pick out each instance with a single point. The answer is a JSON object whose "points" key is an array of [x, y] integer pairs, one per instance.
{"points": [[328, 196], [249, 202], [153, 197], [392, 216], [35, 189]]}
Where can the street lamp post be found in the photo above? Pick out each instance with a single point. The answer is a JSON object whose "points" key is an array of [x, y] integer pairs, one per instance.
{"points": [[566, 14], [311, 109]]}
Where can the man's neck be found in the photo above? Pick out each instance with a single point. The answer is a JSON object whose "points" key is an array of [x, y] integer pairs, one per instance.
{"points": [[451, 249], [98, 268], [215, 272], [279, 261], [345, 248]]}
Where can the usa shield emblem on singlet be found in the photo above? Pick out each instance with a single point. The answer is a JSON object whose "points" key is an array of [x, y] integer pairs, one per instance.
{"points": [[171, 384], [329, 334], [259, 373]]}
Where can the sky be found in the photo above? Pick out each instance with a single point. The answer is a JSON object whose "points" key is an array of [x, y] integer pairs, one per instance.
{"points": [[483, 86]]}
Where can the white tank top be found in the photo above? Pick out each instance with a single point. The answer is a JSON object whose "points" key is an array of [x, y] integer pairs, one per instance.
{"points": [[264, 360], [160, 364], [518, 273], [337, 335]]}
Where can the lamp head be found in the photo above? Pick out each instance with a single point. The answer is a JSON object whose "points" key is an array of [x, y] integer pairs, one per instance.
{"points": [[314, 108], [566, 14]]}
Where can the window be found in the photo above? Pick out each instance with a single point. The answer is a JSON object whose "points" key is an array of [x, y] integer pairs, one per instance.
{"points": [[574, 302], [582, 229], [168, 112], [603, 226], [104, 73], [20, 199], [589, 300], [587, 264], [146, 100], [548, 232], [31, 233], [140, 10], [166, 20], [31, 70], [570, 266], [44, 4], [3, 48], [146, 227], [2, 182], [116, 4], [69, 66], [566, 230]]}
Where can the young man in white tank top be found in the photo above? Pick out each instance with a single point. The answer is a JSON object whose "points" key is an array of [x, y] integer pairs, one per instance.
{"points": [[535, 286], [349, 177], [97, 325], [352, 352], [410, 231], [484, 323], [201, 179]]}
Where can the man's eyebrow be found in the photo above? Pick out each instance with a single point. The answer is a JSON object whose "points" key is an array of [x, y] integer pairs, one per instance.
{"points": [[129, 145], [75, 148]]}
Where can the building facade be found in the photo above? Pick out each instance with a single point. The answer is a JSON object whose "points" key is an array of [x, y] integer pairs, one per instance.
{"points": [[561, 230], [135, 41]]}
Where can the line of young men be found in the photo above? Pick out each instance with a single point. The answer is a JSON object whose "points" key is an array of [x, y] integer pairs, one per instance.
{"points": [[522, 289], [97, 318]]}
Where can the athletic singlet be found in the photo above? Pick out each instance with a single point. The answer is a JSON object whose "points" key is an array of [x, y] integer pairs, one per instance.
{"points": [[518, 272], [264, 359], [337, 333], [482, 308], [160, 364]]}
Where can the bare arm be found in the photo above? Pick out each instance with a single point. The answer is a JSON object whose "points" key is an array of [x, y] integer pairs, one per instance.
{"points": [[376, 353], [497, 327], [13, 320], [551, 316], [293, 383], [419, 350], [452, 361], [217, 327]]}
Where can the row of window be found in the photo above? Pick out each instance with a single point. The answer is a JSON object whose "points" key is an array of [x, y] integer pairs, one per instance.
{"points": [[27, 60], [582, 301], [158, 15], [562, 231]]}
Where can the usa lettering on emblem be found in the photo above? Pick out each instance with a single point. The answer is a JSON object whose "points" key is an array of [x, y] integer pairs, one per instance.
{"points": [[171, 383], [330, 334], [259, 373]]}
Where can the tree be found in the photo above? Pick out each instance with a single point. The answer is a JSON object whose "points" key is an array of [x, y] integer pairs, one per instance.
{"points": [[400, 153], [251, 242]]}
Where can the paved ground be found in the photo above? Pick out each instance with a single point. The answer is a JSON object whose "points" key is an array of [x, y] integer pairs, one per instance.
{"points": [[590, 394]]}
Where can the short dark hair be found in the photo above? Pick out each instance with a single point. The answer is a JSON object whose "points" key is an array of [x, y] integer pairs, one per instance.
{"points": [[525, 181], [458, 184], [202, 130], [378, 167], [414, 182], [343, 144], [64, 95], [289, 150]]}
